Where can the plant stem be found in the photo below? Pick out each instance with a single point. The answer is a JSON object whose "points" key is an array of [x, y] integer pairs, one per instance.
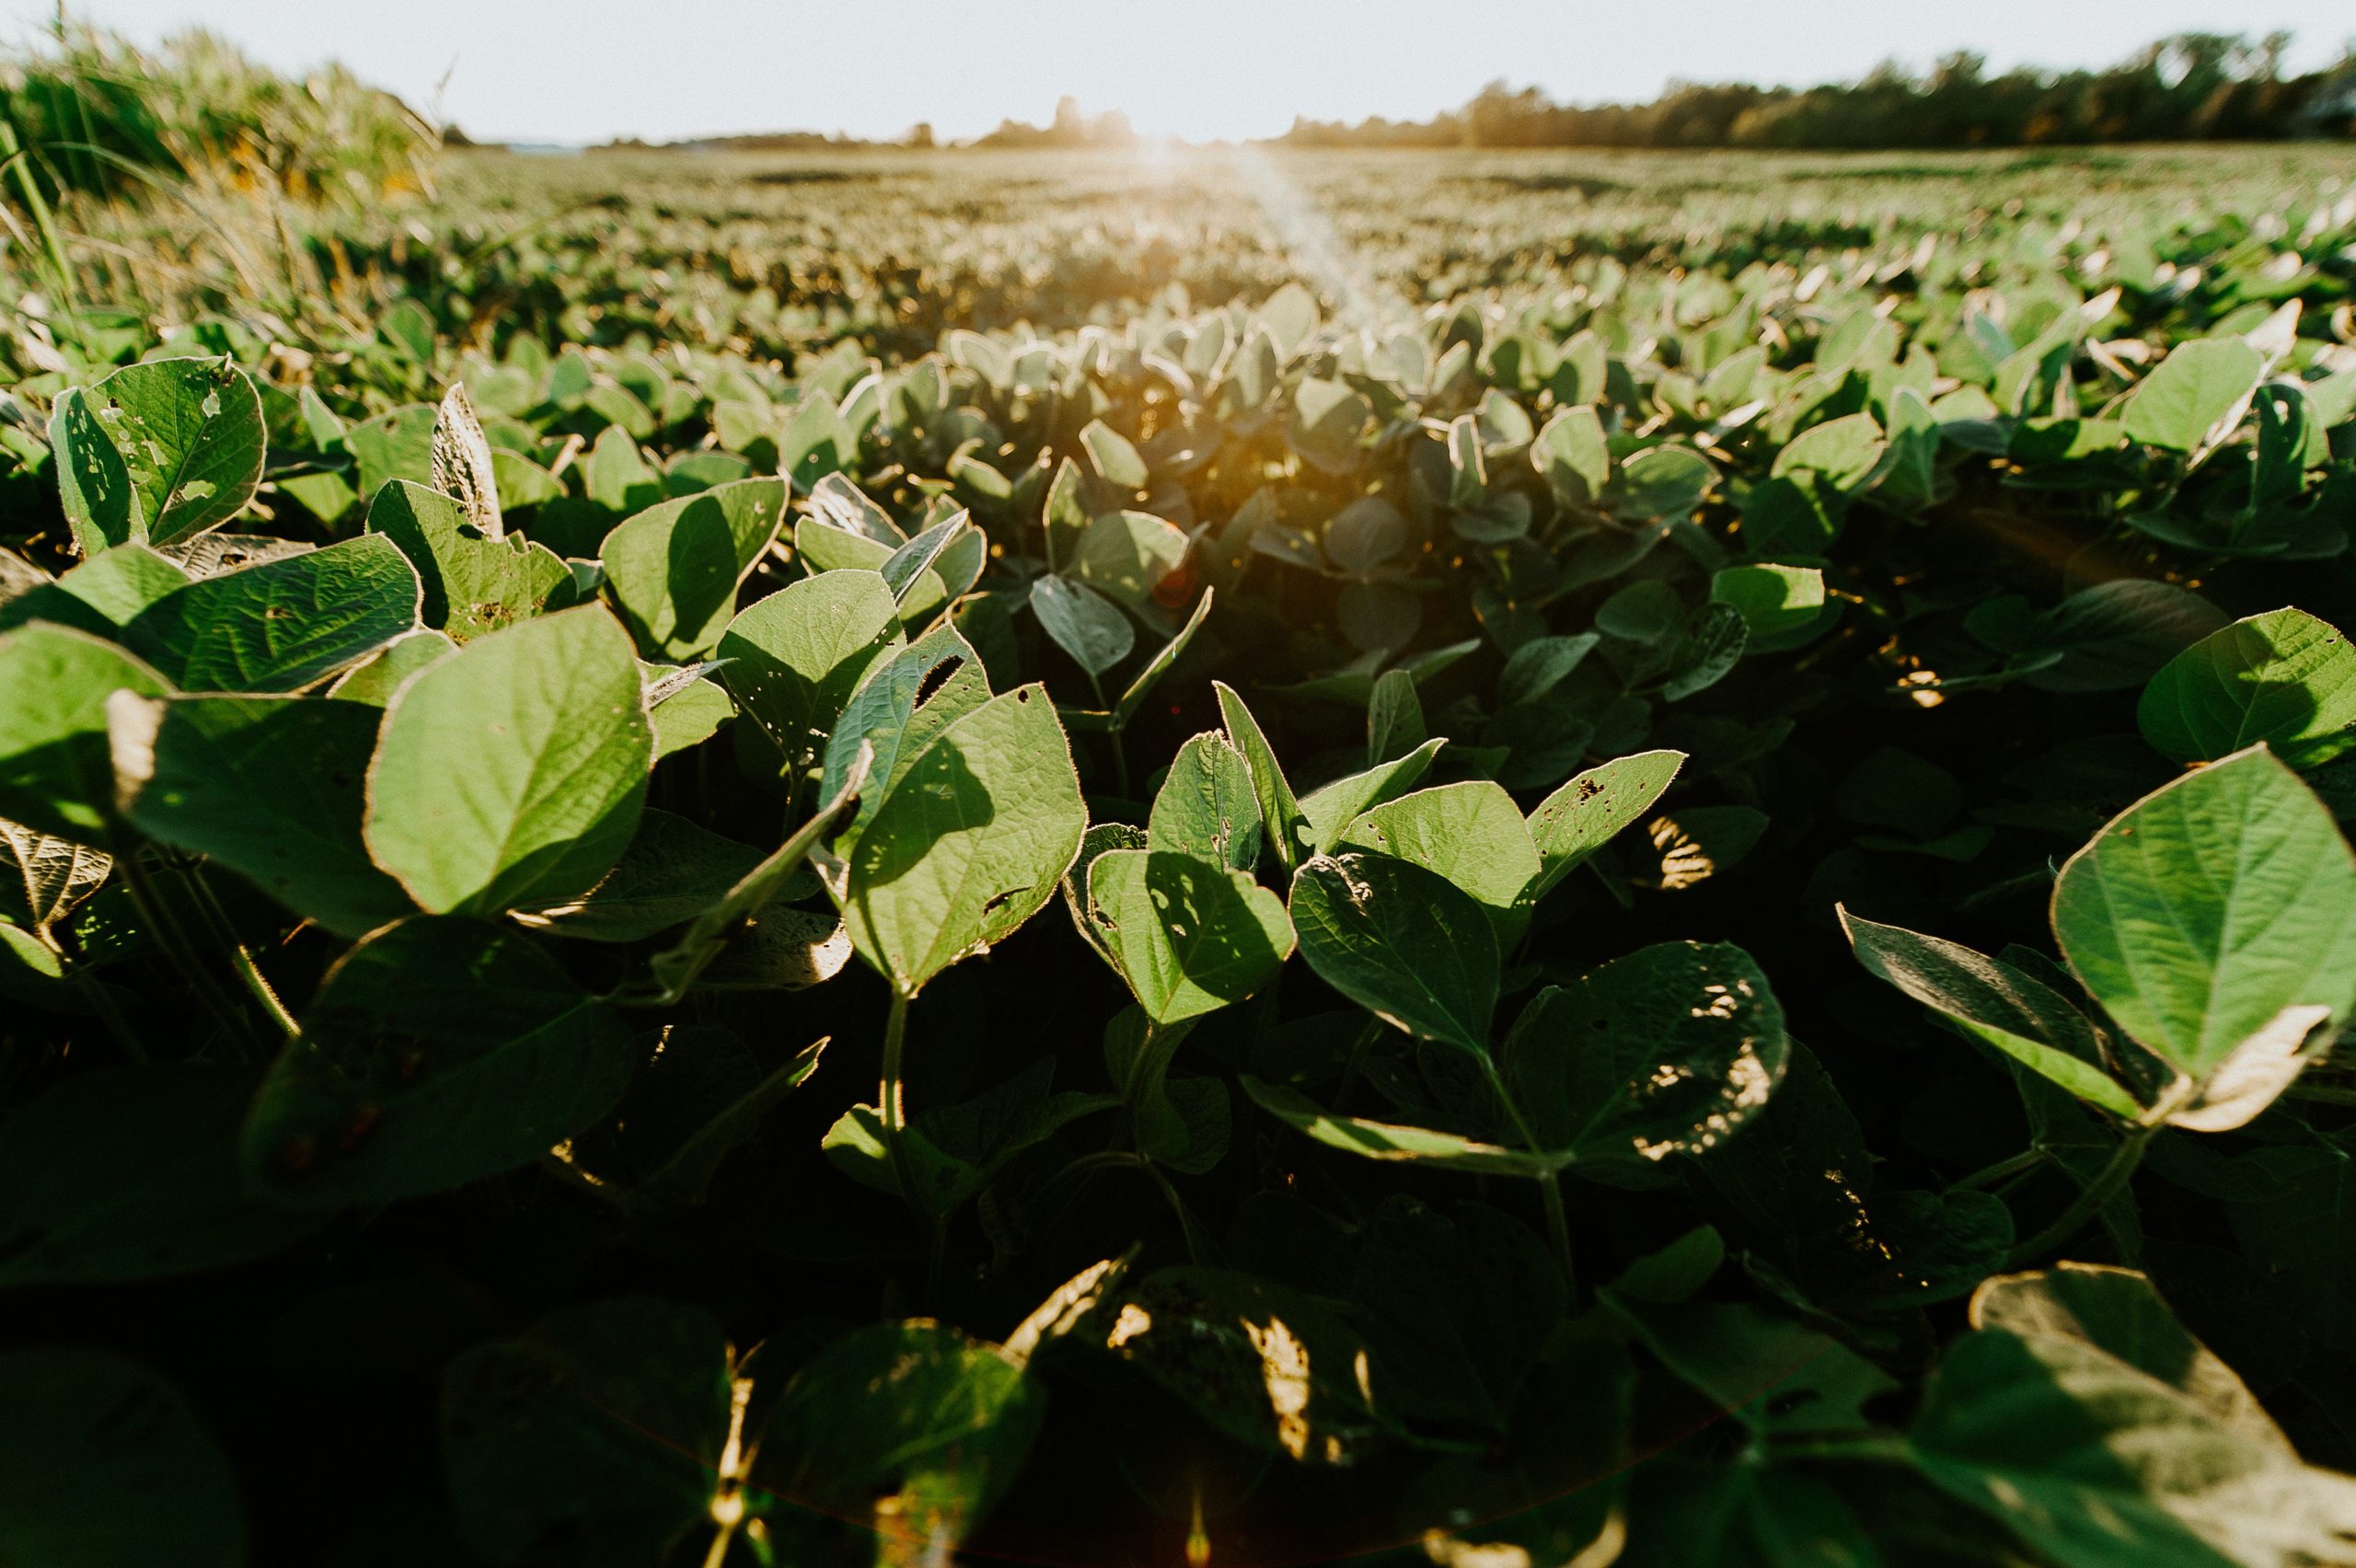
{"points": [[166, 929], [1356, 1064], [251, 972], [2106, 1185], [240, 957], [1988, 1175], [1147, 1073], [1549, 1185], [892, 1106]]}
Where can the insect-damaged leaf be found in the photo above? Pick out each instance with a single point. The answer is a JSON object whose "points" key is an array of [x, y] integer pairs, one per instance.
{"points": [[511, 773], [1668, 1051], [1584, 814], [1470, 833], [437, 1053], [1189, 935], [1205, 806], [474, 582], [970, 842], [93, 485], [283, 624], [462, 464], [191, 436], [795, 657], [1404, 943]]}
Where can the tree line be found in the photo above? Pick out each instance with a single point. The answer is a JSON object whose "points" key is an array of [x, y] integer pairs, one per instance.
{"points": [[2192, 86]]}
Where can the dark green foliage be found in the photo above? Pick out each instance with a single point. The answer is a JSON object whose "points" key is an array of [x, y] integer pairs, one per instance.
{"points": [[536, 1026]]}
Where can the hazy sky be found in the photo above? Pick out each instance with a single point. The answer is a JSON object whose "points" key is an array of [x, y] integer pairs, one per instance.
{"points": [[585, 70]]}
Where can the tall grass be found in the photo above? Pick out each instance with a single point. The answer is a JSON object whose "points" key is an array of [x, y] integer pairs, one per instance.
{"points": [[188, 179]]}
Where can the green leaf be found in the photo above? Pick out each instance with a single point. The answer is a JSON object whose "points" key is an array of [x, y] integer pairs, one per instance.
{"points": [[1840, 453], [2116, 1311], [970, 842], [885, 718], [273, 787], [1205, 806], [56, 776], [1394, 718], [957, 1150], [1773, 599], [674, 569], [1365, 533], [2117, 634], [2200, 387], [398, 445], [675, 968], [2284, 678], [190, 431], [283, 624], [1571, 457], [375, 678], [1584, 814], [437, 1053], [815, 443], [473, 583], [1115, 461], [1329, 810], [93, 484], [1668, 1051], [687, 713], [910, 1432], [2090, 1460], [2015, 1012], [1402, 942], [1126, 554], [1664, 482], [1390, 1141], [795, 657], [1133, 699], [1280, 813], [1083, 622], [1190, 935], [103, 1465], [122, 582], [1264, 1364], [511, 773], [607, 1419], [617, 475], [909, 571], [2216, 919], [1471, 833], [1713, 645], [672, 871], [130, 1173]]}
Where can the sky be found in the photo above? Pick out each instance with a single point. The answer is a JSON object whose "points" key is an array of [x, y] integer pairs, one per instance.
{"points": [[575, 70]]}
